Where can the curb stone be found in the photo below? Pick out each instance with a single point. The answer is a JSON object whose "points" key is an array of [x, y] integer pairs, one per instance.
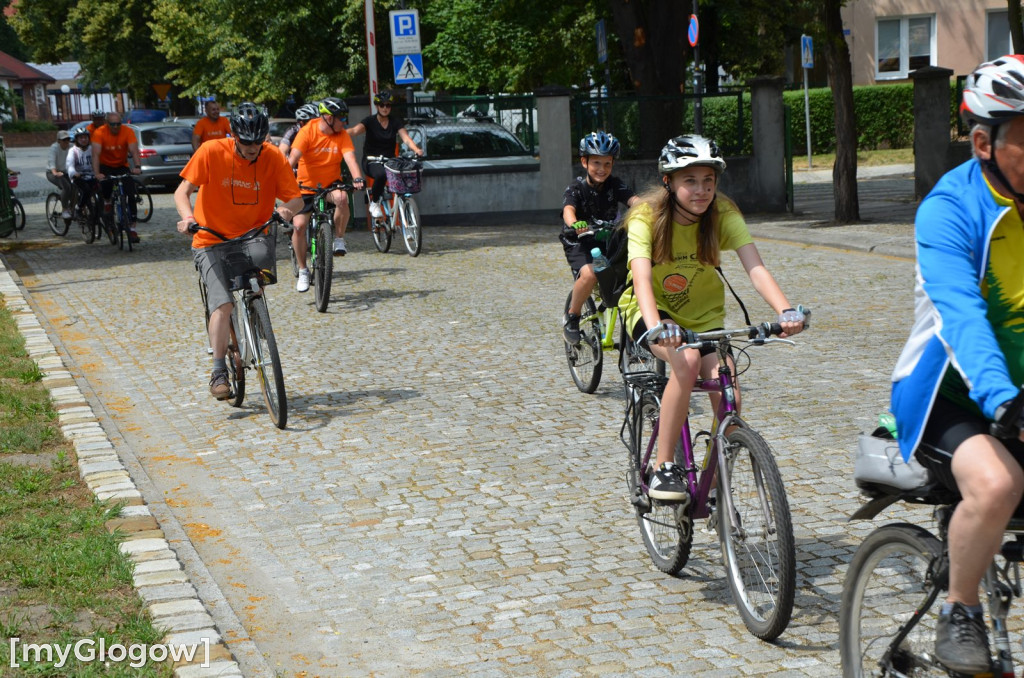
{"points": [[159, 578]]}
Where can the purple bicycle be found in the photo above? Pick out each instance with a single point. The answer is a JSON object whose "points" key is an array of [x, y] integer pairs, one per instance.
{"points": [[737, 486]]}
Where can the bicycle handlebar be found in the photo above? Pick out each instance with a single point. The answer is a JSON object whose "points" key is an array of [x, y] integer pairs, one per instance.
{"points": [[275, 218], [757, 334], [594, 225], [333, 186]]}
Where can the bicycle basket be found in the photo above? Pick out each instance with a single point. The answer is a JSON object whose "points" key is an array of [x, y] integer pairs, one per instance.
{"points": [[241, 257], [403, 175]]}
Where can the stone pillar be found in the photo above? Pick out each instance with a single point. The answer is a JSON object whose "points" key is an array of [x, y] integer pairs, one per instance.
{"points": [[931, 126], [767, 180], [555, 146]]}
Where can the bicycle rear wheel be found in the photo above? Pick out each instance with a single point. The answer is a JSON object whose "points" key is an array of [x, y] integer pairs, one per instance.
{"points": [[233, 359], [890, 576], [54, 215], [411, 232], [587, 357], [633, 358], [757, 540], [268, 362], [666, 529], [19, 214], [381, 232], [145, 203], [323, 264]]}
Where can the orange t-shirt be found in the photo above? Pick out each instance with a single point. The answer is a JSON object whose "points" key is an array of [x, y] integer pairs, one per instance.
{"points": [[207, 129], [91, 129], [113, 148], [321, 155], [236, 196]]}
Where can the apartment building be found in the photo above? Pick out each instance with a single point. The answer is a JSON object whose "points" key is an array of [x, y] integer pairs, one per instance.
{"points": [[889, 39]]}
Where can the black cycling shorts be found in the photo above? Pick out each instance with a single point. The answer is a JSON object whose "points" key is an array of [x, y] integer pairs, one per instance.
{"points": [[948, 426]]}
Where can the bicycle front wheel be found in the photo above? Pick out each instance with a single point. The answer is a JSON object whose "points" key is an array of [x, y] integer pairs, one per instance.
{"points": [[233, 359], [586, 358], [757, 538], [19, 214], [323, 264], [54, 215], [889, 578], [268, 362], [411, 232], [381, 232], [666, 529], [145, 203]]}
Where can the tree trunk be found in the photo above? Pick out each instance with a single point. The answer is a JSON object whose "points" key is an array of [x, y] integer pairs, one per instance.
{"points": [[840, 75], [653, 37], [1016, 28]]}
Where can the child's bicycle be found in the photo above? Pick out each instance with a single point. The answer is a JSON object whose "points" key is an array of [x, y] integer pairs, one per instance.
{"points": [[894, 583], [737, 486], [598, 324], [401, 213]]}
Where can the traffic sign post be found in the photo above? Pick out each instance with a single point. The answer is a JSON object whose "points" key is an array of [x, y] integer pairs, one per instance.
{"points": [[807, 61], [371, 50], [693, 35]]}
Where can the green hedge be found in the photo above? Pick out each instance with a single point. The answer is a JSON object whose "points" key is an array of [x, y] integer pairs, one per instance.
{"points": [[29, 126]]}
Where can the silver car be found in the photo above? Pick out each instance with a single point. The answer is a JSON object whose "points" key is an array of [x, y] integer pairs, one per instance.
{"points": [[458, 143], [165, 148]]}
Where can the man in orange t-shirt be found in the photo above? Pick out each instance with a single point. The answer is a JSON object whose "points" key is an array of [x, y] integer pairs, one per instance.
{"points": [[318, 150], [112, 146], [241, 179], [99, 118], [210, 127]]}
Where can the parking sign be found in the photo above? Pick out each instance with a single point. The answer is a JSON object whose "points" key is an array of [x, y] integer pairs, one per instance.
{"points": [[405, 31]]}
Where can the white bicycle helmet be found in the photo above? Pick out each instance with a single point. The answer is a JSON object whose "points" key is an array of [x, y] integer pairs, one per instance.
{"points": [[994, 92], [307, 112], [599, 143], [690, 150]]}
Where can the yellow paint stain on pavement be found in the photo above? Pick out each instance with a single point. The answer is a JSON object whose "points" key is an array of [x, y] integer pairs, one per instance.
{"points": [[239, 585], [201, 531], [257, 599], [173, 457]]}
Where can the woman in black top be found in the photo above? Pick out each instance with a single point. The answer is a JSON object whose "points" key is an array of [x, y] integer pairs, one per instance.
{"points": [[382, 133]]}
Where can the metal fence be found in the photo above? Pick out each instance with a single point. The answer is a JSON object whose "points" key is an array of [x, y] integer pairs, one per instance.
{"points": [[726, 119], [470, 126]]}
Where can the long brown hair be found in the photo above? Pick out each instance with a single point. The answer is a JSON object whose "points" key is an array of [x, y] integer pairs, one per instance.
{"points": [[659, 201]]}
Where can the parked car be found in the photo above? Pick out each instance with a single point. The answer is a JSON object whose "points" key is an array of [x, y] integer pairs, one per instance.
{"points": [[140, 115], [278, 126], [188, 119], [165, 148], [468, 143]]}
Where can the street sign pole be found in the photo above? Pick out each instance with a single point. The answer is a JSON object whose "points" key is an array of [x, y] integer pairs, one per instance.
{"points": [[371, 51], [807, 61], [693, 35]]}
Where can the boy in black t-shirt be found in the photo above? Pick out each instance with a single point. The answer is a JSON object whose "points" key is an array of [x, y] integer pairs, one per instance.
{"points": [[595, 196]]}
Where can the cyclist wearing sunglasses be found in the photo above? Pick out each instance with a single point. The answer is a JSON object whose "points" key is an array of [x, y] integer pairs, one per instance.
{"points": [[241, 178], [382, 133], [318, 150]]}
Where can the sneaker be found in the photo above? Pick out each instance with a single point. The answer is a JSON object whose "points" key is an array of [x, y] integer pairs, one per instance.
{"points": [[667, 485], [571, 329], [219, 387], [302, 284], [961, 641], [375, 211], [133, 237], [66, 214], [339, 247]]}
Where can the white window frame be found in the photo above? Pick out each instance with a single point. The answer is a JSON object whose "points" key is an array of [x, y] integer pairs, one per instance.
{"points": [[904, 71]]}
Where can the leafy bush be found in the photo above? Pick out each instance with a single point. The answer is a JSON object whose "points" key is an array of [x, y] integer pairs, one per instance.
{"points": [[29, 126]]}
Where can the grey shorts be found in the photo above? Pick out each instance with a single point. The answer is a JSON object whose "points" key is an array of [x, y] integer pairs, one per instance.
{"points": [[211, 270]]}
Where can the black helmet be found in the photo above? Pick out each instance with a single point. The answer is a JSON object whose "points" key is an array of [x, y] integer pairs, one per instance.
{"points": [[383, 97], [599, 143], [249, 124], [334, 106]]}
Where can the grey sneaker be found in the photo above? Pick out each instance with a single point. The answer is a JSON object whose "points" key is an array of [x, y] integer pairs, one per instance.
{"points": [[667, 484], [571, 329], [219, 387], [961, 642]]}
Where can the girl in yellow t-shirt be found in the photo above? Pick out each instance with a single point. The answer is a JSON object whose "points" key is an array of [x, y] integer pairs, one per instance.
{"points": [[676, 235]]}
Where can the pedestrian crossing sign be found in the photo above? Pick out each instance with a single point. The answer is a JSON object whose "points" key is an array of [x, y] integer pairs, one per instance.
{"points": [[408, 68]]}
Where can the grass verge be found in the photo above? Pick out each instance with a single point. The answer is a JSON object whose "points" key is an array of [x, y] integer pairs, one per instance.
{"points": [[889, 156], [62, 578]]}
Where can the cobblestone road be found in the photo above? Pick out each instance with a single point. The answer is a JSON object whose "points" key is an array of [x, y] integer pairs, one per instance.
{"points": [[444, 502]]}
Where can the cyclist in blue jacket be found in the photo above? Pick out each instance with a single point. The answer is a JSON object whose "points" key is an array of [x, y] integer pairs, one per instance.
{"points": [[964, 359]]}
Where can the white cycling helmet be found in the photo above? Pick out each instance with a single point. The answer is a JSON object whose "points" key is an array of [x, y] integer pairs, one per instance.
{"points": [[690, 150], [994, 92]]}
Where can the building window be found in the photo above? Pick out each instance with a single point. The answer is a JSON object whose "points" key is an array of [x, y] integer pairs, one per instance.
{"points": [[998, 42], [903, 45]]}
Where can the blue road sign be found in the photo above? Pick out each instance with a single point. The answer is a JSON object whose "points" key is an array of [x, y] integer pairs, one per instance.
{"points": [[602, 42], [408, 68], [806, 51], [693, 31]]}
